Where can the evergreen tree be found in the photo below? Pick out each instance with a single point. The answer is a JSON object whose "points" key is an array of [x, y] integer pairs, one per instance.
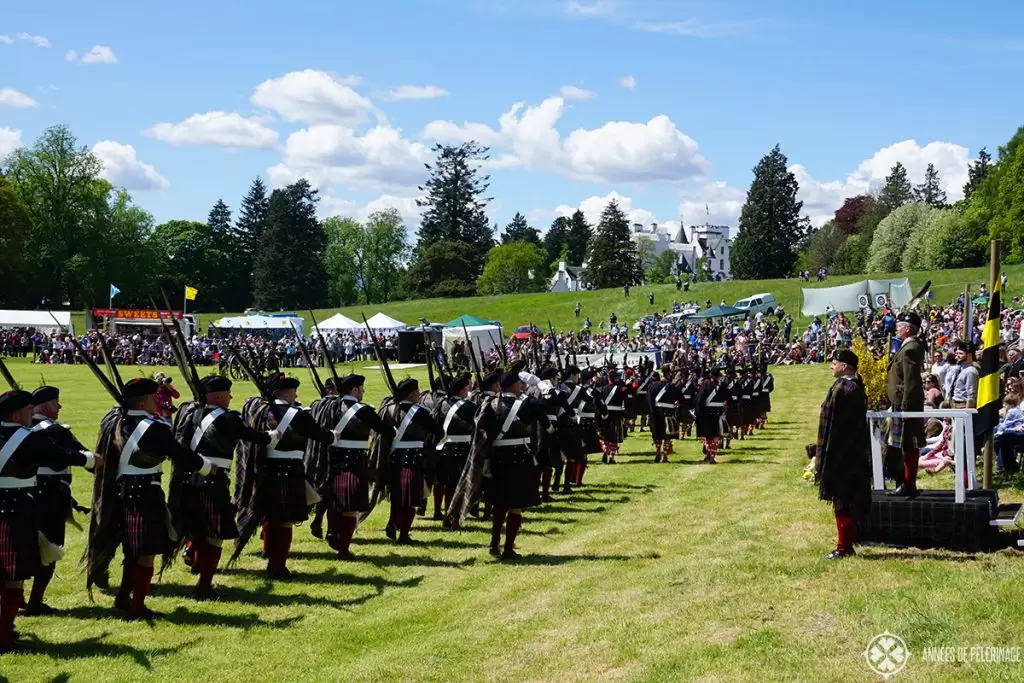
{"points": [[225, 281], [454, 210], [930, 191], [770, 226], [977, 172], [289, 270], [613, 260], [518, 230], [579, 238], [252, 218], [556, 237], [897, 190]]}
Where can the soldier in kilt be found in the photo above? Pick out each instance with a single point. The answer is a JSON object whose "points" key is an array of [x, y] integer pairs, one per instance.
{"points": [[128, 508], [734, 387], [843, 455], [611, 426], [53, 495], [765, 403], [23, 451], [905, 391], [711, 399], [686, 386], [201, 506], [572, 432], [457, 413]]}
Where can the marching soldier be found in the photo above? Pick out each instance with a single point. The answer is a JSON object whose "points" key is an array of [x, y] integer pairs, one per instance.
{"points": [[710, 407], [23, 451], [664, 402], [611, 395], [128, 507], [457, 413], [201, 505]]}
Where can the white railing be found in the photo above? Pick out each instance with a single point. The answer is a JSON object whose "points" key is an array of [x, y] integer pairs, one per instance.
{"points": [[962, 438]]}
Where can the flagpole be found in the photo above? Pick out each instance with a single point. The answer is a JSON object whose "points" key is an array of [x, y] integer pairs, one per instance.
{"points": [[986, 459], [110, 310]]}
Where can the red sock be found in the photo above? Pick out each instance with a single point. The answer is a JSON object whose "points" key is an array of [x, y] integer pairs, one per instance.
{"points": [[515, 521], [11, 600], [844, 529], [910, 460], [267, 543], [142, 577], [496, 523], [580, 469], [208, 557], [405, 518], [346, 530], [40, 582]]}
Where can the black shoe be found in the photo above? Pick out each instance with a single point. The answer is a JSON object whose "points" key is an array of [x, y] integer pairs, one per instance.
{"points": [[510, 556], [839, 554], [905, 491], [316, 528], [40, 609], [282, 574], [204, 594], [332, 541], [405, 539], [391, 532], [567, 489], [493, 550], [438, 516], [546, 498], [347, 556], [145, 614], [123, 603]]}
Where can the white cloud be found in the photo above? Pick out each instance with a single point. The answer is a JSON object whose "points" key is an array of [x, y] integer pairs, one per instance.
{"points": [[98, 54], [121, 166], [9, 97], [10, 140], [225, 129], [695, 28], [40, 41], [380, 159], [347, 208], [413, 92], [618, 151], [6, 40], [312, 96], [717, 203], [571, 92], [592, 9], [70, 56], [593, 206], [627, 82]]}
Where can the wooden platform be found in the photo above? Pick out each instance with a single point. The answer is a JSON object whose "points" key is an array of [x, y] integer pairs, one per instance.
{"points": [[933, 519]]}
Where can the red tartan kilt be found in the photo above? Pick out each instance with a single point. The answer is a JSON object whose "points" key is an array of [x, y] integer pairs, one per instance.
{"points": [[144, 523], [53, 504], [407, 487], [349, 493], [208, 511], [286, 482], [19, 536]]}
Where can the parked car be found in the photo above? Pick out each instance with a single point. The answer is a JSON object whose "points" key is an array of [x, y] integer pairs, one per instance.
{"points": [[523, 331], [758, 303], [644, 321]]}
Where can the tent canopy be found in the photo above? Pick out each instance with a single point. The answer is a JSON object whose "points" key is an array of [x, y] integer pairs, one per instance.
{"points": [[484, 337], [339, 322], [467, 319], [854, 296], [383, 322], [40, 320], [718, 312], [259, 322]]}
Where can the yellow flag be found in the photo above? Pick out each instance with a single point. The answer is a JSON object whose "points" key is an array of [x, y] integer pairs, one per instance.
{"points": [[989, 394], [190, 293]]}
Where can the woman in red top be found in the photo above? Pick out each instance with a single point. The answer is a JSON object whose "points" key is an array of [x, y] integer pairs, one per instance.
{"points": [[165, 394]]}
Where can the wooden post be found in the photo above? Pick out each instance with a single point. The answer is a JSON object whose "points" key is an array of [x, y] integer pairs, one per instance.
{"points": [[967, 307], [986, 459]]}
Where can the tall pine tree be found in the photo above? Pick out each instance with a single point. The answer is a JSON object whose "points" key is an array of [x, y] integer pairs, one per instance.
{"points": [[897, 190], [930, 191], [770, 226], [518, 230], [251, 221], [453, 204], [555, 239], [580, 235], [613, 260], [223, 280], [289, 270], [977, 172]]}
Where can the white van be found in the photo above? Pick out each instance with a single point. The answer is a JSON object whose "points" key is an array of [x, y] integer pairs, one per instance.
{"points": [[758, 303]]}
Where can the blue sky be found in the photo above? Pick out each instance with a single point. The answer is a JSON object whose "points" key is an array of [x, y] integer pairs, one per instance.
{"points": [[665, 104]]}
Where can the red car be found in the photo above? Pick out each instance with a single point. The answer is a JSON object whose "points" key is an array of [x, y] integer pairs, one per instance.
{"points": [[523, 331]]}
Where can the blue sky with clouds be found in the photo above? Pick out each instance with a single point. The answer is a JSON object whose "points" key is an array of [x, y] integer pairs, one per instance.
{"points": [[665, 104]]}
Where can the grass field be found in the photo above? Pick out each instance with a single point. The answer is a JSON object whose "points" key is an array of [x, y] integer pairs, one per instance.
{"points": [[520, 309], [677, 572]]}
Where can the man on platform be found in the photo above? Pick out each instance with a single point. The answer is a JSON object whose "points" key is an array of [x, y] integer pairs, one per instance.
{"points": [[906, 394], [23, 451], [843, 455]]}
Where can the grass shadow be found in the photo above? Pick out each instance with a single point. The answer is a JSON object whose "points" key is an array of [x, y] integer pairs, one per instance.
{"points": [[265, 596], [894, 554], [182, 616], [555, 560], [96, 647]]}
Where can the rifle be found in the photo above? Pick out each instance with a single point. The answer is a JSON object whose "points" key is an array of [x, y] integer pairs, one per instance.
{"points": [[501, 348], [427, 353], [533, 349], [8, 376], [469, 352], [323, 349], [187, 368], [247, 369], [384, 367], [558, 355], [103, 379], [309, 362]]}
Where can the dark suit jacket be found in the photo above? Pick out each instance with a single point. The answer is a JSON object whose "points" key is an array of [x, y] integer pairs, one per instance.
{"points": [[905, 389]]}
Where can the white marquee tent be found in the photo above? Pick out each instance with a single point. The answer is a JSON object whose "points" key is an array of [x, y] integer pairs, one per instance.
{"points": [[383, 322], [40, 320], [484, 337], [339, 322], [857, 295], [260, 322]]}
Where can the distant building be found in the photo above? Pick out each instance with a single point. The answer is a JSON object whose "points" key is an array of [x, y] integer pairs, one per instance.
{"points": [[691, 244], [567, 278]]}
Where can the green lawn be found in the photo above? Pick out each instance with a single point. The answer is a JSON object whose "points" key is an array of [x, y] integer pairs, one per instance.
{"points": [[520, 309], [672, 572]]}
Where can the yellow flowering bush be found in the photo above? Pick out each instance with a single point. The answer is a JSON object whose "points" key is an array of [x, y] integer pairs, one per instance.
{"points": [[873, 372]]}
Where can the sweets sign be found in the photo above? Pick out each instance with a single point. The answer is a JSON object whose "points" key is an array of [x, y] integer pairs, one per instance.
{"points": [[134, 314]]}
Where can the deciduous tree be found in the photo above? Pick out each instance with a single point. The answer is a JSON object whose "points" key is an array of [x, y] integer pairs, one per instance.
{"points": [[513, 268]]}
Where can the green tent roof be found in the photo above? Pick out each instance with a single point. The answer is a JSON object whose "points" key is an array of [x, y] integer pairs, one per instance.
{"points": [[468, 320]]}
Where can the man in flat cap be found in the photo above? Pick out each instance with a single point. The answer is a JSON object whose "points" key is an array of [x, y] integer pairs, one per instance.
{"points": [[202, 509], [843, 454], [23, 451], [905, 391]]}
